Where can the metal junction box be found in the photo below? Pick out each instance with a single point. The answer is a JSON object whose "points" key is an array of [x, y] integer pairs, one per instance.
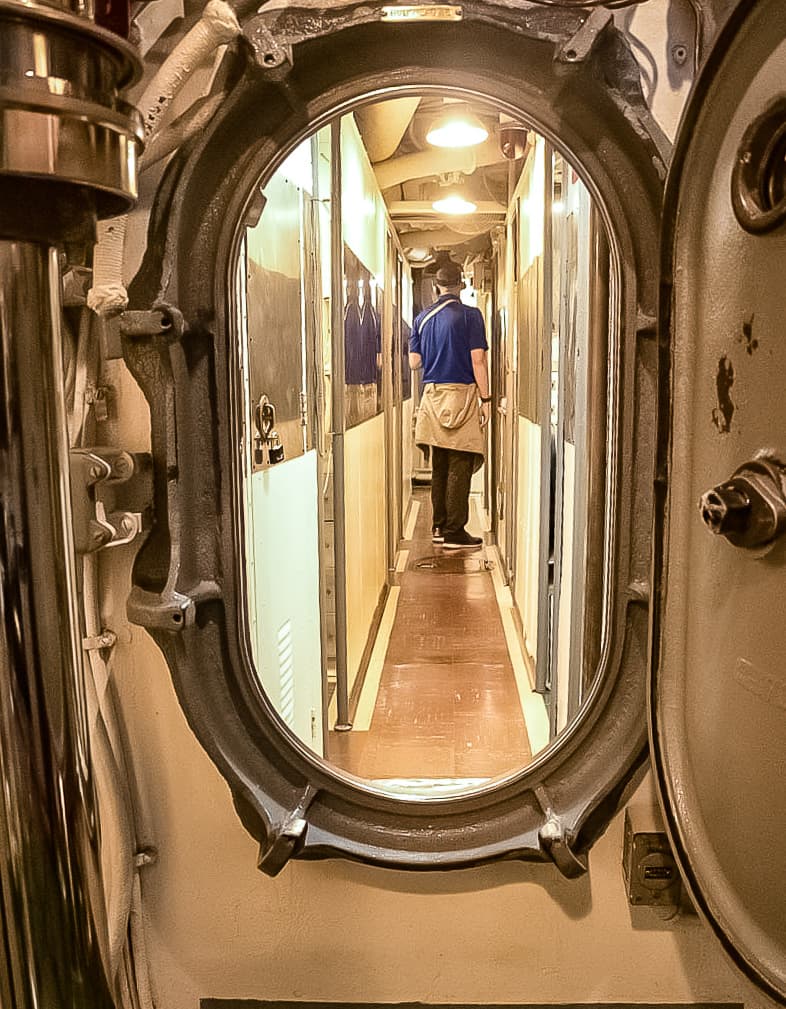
{"points": [[651, 875]]}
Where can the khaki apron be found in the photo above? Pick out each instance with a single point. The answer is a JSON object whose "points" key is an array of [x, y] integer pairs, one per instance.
{"points": [[448, 417]]}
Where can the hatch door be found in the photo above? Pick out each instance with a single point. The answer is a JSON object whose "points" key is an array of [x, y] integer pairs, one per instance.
{"points": [[718, 672]]}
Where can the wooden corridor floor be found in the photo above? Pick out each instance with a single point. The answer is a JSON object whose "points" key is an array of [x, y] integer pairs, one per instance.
{"points": [[447, 706]]}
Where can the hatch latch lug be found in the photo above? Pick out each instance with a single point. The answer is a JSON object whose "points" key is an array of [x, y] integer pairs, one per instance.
{"points": [[111, 497], [286, 838], [557, 845], [581, 44], [268, 51]]}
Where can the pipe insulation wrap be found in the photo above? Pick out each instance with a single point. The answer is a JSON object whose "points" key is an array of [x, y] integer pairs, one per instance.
{"points": [[108, 294], [182, 129], [218, 25]]}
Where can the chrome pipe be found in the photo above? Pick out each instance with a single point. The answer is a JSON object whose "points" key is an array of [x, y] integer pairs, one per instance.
{"points": [[53, 921], [68, 156], [70, 143]]}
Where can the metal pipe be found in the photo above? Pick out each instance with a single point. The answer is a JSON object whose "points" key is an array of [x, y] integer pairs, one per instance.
{"points": [[53, 906], [343, 723], [69, 154]]}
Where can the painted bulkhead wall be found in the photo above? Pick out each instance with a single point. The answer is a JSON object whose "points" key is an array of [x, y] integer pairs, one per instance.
{"points": [[282, 528], [365, 226], [525, 278], [364, 453], [334, 931]]}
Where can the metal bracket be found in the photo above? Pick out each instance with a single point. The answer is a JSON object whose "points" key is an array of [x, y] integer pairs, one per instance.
{"points": [[145, 856], [157, 322], [556, 844], [284, 839], [169, 610], [268, 51], [111, 497], [165, 320], [555, 841], [106, 639], [275, 29], [583, 42]]}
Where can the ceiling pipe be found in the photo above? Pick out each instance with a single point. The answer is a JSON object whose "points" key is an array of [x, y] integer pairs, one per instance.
{"points": [[383, 125], [437, 161], [440, 238]]}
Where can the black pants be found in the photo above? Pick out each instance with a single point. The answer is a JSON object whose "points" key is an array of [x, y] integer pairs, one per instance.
{"points": [[451, 476]]}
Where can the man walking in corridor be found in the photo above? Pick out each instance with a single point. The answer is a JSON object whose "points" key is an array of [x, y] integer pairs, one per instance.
{"points": [[449, 342]]}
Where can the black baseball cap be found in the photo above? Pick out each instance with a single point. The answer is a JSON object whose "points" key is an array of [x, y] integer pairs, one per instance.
{"points": [[449, 274]]}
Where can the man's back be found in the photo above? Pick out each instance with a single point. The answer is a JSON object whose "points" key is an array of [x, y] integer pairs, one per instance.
{"points": [[445, 334]]}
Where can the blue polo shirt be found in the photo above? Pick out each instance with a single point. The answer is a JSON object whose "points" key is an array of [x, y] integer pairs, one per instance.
{"points": [[445, 338]]}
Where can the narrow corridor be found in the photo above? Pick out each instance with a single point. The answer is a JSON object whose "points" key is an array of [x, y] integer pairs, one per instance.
{"points": [[442, 707]]}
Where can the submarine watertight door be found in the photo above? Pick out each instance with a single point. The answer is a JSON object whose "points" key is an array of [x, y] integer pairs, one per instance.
{"points": [[718, 676]]}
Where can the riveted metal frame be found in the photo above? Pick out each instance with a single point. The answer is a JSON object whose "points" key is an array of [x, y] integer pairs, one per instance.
{"points": [[188, 578]]}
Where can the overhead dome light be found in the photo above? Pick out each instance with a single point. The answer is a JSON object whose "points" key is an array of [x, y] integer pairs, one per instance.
{"points": [[457, 129], [418, 255], [454, 204]]}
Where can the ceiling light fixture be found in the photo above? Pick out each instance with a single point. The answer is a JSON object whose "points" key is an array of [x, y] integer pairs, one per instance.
{"points": [[454, 204], [457, 129]]}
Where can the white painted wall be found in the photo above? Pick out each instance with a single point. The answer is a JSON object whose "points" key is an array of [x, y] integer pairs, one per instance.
{"points": [[657, 29], [338, 931], [364, 214], [365, 227], [283, 566]]}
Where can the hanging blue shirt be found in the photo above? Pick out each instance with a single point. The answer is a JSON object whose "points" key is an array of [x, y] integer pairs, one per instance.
{"points": [[444, 337]]}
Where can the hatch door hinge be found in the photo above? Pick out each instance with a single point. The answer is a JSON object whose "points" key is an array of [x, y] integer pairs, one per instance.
{"points": [[111, 497]]}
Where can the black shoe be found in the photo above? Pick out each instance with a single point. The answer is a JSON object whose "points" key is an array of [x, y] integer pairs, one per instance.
{"points": [[455, 541], [436, 535]]}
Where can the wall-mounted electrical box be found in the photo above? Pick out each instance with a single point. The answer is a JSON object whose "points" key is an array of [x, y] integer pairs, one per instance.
{"points": [[651, 875]]}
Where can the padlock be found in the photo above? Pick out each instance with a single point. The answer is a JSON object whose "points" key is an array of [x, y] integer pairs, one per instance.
{"points": [[275, 448]]}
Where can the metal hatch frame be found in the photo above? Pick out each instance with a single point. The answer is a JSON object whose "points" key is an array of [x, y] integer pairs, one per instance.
{"points": [[667, 739], [579, 87]]}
